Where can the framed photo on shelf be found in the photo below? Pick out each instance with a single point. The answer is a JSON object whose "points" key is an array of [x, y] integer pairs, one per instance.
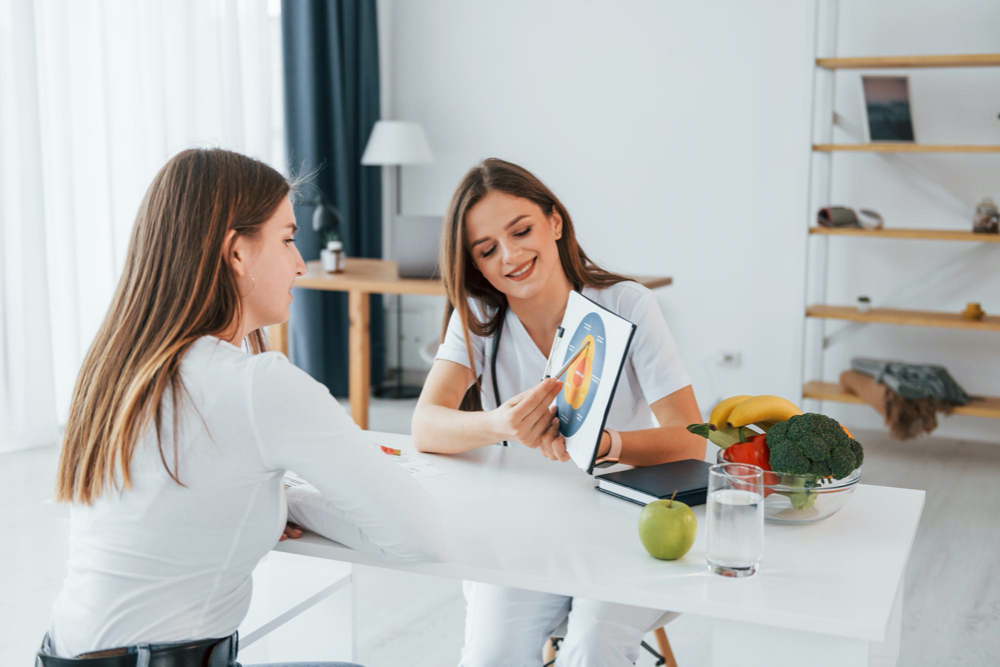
{"points": [[887, 108]]}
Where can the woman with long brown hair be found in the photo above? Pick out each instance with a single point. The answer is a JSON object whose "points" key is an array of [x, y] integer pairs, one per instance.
{"points": [[509, 259], [182, 427]]}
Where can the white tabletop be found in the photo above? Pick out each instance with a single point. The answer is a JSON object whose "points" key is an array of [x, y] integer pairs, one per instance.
{"points": [[518, 519]]}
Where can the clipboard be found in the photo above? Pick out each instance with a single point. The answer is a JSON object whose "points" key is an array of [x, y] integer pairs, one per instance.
{"points": [[589, 383]]}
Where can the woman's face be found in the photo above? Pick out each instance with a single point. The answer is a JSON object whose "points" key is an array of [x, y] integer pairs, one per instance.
{"points": [[514, 244], [274, 262]]}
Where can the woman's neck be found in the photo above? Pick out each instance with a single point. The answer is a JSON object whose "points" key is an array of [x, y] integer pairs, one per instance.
{"points": [[542, 313], [235, 333]]}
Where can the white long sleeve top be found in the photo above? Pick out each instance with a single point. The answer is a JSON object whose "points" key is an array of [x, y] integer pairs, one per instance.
{"points": [[162, 562]]}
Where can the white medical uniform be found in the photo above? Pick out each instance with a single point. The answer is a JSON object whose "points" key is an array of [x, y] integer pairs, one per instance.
{"points": [[508, 626]]}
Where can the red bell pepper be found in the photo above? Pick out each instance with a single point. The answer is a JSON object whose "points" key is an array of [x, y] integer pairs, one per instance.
{"points": [[754, 451]]}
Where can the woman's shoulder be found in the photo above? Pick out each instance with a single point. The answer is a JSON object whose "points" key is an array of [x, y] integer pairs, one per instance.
{"points": [[210, 356], [623, 298], [213, 358], [275, 371]]}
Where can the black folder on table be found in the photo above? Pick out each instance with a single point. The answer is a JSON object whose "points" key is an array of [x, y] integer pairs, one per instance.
{"points": [[644, 485]]}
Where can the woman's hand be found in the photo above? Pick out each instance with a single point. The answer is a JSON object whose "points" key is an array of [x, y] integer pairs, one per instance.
{"points": [[291, 531], [527, 417], [553, 445]]}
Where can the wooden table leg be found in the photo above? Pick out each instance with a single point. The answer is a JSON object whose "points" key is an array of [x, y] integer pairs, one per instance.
{"points": [[359, 346], [277, 338]]}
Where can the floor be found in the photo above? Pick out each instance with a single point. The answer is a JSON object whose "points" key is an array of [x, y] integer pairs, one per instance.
{"points": [[951, 615]]}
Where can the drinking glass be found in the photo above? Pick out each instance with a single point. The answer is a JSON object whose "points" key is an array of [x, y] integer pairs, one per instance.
{"points": [[735, 515]]}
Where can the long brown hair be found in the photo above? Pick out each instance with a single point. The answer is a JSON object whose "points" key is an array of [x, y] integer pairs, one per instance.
{"points": [[463, 280], [177, 286]]}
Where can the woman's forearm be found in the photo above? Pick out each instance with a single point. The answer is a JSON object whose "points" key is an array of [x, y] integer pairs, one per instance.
{"points": [[440, 430], [653, 446]]}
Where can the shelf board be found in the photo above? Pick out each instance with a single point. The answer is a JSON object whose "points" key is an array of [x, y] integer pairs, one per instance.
{"points": [[914, 318], [903, 147], [983, 406], [928, 234], [916, 62]]}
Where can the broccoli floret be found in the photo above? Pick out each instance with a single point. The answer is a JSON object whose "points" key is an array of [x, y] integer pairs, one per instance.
{"points": [[859, 451], [820, 469], [843, 461], [813, 444]]}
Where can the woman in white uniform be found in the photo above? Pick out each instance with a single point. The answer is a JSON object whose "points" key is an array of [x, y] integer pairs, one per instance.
{"points": [[182, 427], [509, 259]]}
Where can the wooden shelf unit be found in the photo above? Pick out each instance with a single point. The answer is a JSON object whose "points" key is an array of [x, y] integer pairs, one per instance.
{"points": [[926, 234], [902, 147], [827, 391], [984, 406], [913, 318], [912, 62]]}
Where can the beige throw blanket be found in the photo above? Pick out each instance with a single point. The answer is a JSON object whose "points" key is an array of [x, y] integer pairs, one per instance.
{"points": [[906, 418]]}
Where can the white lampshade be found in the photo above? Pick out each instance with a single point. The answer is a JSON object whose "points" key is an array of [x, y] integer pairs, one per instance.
{"points": [[396, 142]]}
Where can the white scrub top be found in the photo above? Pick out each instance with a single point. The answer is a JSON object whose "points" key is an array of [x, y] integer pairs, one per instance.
{"points": [[653, 368]]}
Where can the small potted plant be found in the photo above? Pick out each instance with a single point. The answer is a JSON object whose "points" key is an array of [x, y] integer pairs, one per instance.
{"points": [[327, 225]]}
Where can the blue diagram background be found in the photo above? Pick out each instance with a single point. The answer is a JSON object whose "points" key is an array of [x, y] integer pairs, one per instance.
{"points": [[571, 420]]}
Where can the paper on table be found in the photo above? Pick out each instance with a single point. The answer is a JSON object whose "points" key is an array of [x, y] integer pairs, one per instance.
{"points": [[418, 468], [420, 472]]}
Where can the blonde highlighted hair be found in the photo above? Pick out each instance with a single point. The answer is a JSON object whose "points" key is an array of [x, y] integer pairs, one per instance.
{"points": [[177, 285]]}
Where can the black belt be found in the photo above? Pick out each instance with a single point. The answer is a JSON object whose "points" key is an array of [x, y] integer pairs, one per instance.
{"points": [[203, 653]]}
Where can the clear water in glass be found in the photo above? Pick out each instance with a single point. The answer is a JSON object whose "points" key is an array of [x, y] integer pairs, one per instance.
{"points": [[735, 516]]}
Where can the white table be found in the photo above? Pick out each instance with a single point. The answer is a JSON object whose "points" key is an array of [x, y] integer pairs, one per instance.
{"points": [[828, 593]]}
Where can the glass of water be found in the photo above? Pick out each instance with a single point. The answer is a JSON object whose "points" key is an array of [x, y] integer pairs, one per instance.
{"points": [[735, 515]]}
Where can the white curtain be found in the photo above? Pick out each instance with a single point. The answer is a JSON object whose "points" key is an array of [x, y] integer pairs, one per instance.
{"points": [[95, 95]]}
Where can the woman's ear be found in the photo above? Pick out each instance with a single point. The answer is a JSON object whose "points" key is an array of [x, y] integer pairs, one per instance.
{"points": [[235, 252], [557, 224]]}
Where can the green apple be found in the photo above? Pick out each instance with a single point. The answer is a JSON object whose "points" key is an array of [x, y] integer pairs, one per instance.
{"points": [[667, 529]]}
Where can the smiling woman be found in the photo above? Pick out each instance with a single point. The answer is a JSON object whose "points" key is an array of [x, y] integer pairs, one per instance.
{"points": [[509, 252], [533, 220], [510, 260]]}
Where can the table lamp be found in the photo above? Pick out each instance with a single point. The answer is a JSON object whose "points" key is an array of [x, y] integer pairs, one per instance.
{"points": [[394, 143]]}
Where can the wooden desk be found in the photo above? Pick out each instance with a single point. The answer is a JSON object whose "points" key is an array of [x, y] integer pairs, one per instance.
{"points": [[361, 278]]}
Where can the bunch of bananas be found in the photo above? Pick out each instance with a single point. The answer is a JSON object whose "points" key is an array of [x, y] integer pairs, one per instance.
{"points": [[732, 418]]}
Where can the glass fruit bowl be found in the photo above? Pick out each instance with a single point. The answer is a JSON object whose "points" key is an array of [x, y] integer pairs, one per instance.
{"points": [[803, 498]]}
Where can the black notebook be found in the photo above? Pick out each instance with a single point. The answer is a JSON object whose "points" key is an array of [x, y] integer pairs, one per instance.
{"points": [[644, 485]]}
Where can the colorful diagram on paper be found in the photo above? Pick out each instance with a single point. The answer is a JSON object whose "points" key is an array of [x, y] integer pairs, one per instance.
{"points": [[584, 376]]}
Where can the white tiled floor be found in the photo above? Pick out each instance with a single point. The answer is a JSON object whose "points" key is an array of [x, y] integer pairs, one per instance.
{"points": [[951, 617]]}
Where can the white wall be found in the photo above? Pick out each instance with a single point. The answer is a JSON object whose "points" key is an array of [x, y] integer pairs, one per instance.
{"points": [[678, 134]]}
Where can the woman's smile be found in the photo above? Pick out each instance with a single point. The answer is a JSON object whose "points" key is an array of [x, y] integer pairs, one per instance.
{"points": [[523, 271], [515, 246]]}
